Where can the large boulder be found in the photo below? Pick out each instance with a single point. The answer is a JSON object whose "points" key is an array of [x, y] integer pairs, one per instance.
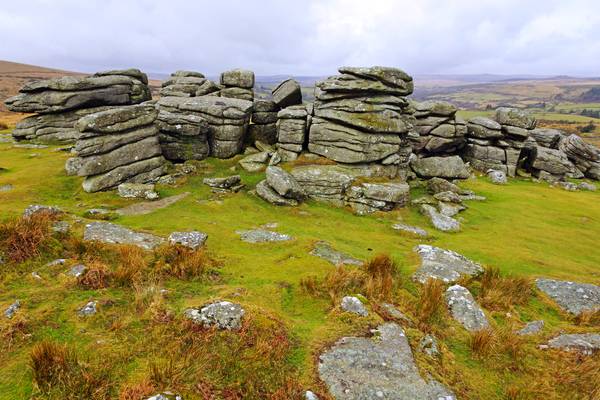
{"points": [[585, 156], [465, 309], [515, 117], [287, 93], [284, 183], [323, 182], [572, 297], [552, 161], [383, 366], [441, 167], [445, 265]]}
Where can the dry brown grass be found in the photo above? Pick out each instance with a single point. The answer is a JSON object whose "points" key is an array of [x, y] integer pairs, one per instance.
{"points": [[96, 276], [3, 126], [381, 271], [132, 263], [431, 307], [588, 318], [181, 262], [57, 371], [303, 160], [24, 238], [137, 391], [13, 330], [499, 293], [482, 343]]}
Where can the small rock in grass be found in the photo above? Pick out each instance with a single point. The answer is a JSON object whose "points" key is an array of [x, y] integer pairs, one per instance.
{"points": [[137, 190], [165, 396], [448, 197], [353, 305], [194, 239], [222, 314], [568, 186], [77, 270], [429, 346], [6, 188], [415, 230], [262, 236], [88, 309], [587, 186], [58, 261], [325, 251], [572, 297], [12, 309], [391, 311], [446, 265], [309, 395], [585, 343], [464, 309], [438, 220], [497, 177], [37, 208], [35, 275], [531, 328], [61, 227]]}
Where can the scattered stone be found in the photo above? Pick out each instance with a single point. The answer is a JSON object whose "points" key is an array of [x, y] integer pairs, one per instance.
{"points": [[531, 328], [165, 396], [229, 183], [353, 305], [284, 184], [465, 309], [568, 186], [268, 194], [450, 209], [137, 190], [36, 208], [35, 275], [497, 177], [106, 232], [30, 146], [587, 186], [438, 185], [585, 343], [381, 367], [58, 261], [62, 227], [222, 314], [77, 270], [325, 251], [442, 264], [255, 162], [438, 220], [12, 309], [369, 197], [6, 188], [414, 230], [429, 346], [390, 310], [572, 297], [448, 197], [88, 309], [262, 236], [194, 239], [309, 395]]}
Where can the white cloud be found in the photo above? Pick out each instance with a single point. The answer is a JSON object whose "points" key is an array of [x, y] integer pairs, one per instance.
{"points": [[308, 37]]}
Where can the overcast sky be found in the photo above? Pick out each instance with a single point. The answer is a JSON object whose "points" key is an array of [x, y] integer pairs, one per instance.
{"points": [[305, 37]]}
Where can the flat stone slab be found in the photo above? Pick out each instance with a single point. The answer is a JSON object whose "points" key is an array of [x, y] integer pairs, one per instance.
{"points": [[413, 230], [147, 207], [572, 297], [442, 264], [438, 220], [586, 343], [465, 309], [222, 314], [379, 367], [262, 236], [531, 328], [193, 239], [325, 251], [106, 232]]}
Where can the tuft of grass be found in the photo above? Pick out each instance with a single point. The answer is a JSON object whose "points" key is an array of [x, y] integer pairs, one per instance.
{"points": [[431, 308], [96, 276], [381, 271], [482, 343], [501, 293], [181, 262], [23, 238], [588, 318], [130, 270], [13, 330], [137, 391]]}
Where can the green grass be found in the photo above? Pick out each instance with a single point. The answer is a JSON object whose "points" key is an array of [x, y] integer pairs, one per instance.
{"points": [[523, 228]]}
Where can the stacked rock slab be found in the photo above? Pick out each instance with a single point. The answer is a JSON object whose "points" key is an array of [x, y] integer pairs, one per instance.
{"points": [[292, 125], [227, 120], [182, 136], [187, 84], [60, 102], [585, 156], [264, 122], [362, 116], [116, 146], [287, 93], [238, 84], [438, 130]]}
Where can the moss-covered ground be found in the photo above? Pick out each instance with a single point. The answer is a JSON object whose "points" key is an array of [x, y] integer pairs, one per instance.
{"points": [[524, 229]]}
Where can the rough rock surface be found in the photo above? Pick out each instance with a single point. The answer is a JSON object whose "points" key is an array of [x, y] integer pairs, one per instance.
{"points": [[88, 309], [284, 183], [183, 136], [222, 314], [531, 328], [292, 126], [442, 264], [381, 367], [571, 296], [586, 343], [451, 167], [106, 232], [287, 93], [325, 251], [437, 129], [12, 309], [323, 182], [193, 239], [439, 221], [268, 194], [414, 230], [465, 309], [231, 183], [38, 208], [137, 191], [353, 305], [262, 235]]}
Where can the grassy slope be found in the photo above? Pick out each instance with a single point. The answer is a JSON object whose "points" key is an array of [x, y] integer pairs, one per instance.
{"points": [[523, 228]]}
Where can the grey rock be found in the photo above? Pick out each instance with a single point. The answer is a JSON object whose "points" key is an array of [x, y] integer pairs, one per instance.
{"points": [[442, 167], [88, 309], [262, 236], [587, 186], [77, 270], [255, 162], [287, 93], [38, 208], [309, 395], [58, 261], [268, 194], [193, 239], [238, 93], [531, 328], [572, 297], [284, 183], [222, 314], [584, 155], [552, 161], [226, 183], [414, 230], [137, 190], [238, 78], [497, 177], [546, 137], [165, 396], [439, 221], [6, 188], [569, 186], [585, 343], [325, 251], [115, 234], [448, 197], [323, 182], [12, 309], [262, 105], [515, 117], [429, 346], [359, 368], [137, 172], [61, 227], [438, 185], [132, 72], [392, 311], [450, 209], [465, 309], [442, 264], [483, 128], [353, 305]]}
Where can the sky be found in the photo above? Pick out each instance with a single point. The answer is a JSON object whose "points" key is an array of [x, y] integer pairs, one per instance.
{"points": [[305, 37]]}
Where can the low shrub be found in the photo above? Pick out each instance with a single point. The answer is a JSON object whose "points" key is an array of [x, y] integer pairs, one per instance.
{"points": [[26, 237], [501, 293], [181, 262], [431, 307], [482, 343], [96, 276]]}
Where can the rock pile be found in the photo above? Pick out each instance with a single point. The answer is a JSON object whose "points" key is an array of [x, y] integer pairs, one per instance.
{"points": [[237, 84], [187, 84], [585, 156], [227, 120], [118, 145], [264, 122], [438, 131], [362, 116], [60, 102]]}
